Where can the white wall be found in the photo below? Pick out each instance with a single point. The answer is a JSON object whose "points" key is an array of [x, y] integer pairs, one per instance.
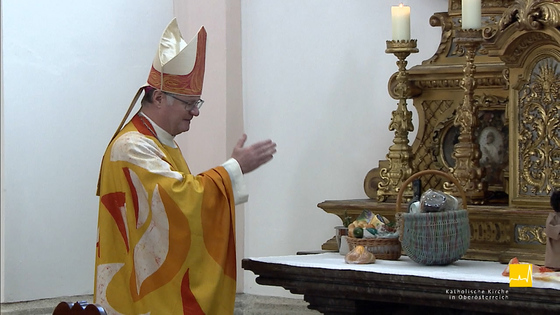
{"points": [[315, 76], [314, 80], [70, 69], [2, 194]]}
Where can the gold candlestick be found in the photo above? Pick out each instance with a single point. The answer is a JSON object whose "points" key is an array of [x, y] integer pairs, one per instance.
{"points": [[466, 152], [400, 153]]}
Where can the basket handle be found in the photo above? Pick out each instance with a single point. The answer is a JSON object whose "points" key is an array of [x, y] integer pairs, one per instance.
{"points": [[434, 172]]}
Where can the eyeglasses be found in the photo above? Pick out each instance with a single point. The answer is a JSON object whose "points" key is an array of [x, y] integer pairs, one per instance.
{"points": [[189, 105]]}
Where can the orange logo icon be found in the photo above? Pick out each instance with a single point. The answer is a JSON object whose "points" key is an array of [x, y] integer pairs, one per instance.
{"points": [[521, 275]]}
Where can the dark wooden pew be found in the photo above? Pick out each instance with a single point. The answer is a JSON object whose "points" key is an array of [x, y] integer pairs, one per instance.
{"points": [[78, 308]]}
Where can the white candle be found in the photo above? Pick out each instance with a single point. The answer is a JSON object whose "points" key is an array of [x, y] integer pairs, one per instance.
{"points": [[400, 18], [472, 17]]}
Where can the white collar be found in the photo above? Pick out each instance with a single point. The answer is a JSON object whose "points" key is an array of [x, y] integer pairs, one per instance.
{"points": [[162, 135]]}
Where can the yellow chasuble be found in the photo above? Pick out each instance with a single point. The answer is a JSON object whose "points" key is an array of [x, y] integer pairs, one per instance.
{"points": [[165, 237]]}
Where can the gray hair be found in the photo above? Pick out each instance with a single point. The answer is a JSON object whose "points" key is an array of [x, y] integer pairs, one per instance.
{"points": [[149, 94]]}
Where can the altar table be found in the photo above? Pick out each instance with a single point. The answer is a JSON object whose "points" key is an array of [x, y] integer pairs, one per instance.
{"points": [[331, 286]]}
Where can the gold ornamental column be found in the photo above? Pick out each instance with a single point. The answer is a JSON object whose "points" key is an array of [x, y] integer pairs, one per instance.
{"points": [[466, 152], [400, 153]]}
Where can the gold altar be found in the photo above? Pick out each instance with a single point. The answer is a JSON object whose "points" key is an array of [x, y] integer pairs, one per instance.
{"points": [[488, 106]]}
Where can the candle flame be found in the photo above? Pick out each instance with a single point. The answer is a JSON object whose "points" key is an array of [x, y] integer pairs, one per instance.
{"points": [[401, 5]]}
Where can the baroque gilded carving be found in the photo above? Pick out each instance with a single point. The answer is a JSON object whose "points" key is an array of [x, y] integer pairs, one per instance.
{"points": [[490, 26], [531, 14], [444, 20], [490, 81], [490, 101], [539, 130], [524, 44], [530, 234]]}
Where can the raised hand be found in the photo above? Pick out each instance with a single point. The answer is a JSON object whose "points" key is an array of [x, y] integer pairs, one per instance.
{"points": [[253, 156]]}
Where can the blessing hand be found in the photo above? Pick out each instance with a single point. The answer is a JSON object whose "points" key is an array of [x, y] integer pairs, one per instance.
{"points": [[253, 156]]}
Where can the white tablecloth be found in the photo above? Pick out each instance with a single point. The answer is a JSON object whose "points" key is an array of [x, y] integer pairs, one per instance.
{"points": [[470, 270]]}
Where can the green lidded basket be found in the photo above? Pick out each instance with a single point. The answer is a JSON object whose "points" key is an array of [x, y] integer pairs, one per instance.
{"points": [[434, 238]]}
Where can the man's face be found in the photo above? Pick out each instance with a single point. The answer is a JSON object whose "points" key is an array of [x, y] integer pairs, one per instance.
{"points": [[178, 118]]}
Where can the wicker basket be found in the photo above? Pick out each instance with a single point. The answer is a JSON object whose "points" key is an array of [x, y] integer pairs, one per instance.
{"points": [[382, 248], [434, 238]]}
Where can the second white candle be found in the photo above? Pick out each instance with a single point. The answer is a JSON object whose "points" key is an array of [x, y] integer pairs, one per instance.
{"points": [[471, 11], [400, 18]]}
